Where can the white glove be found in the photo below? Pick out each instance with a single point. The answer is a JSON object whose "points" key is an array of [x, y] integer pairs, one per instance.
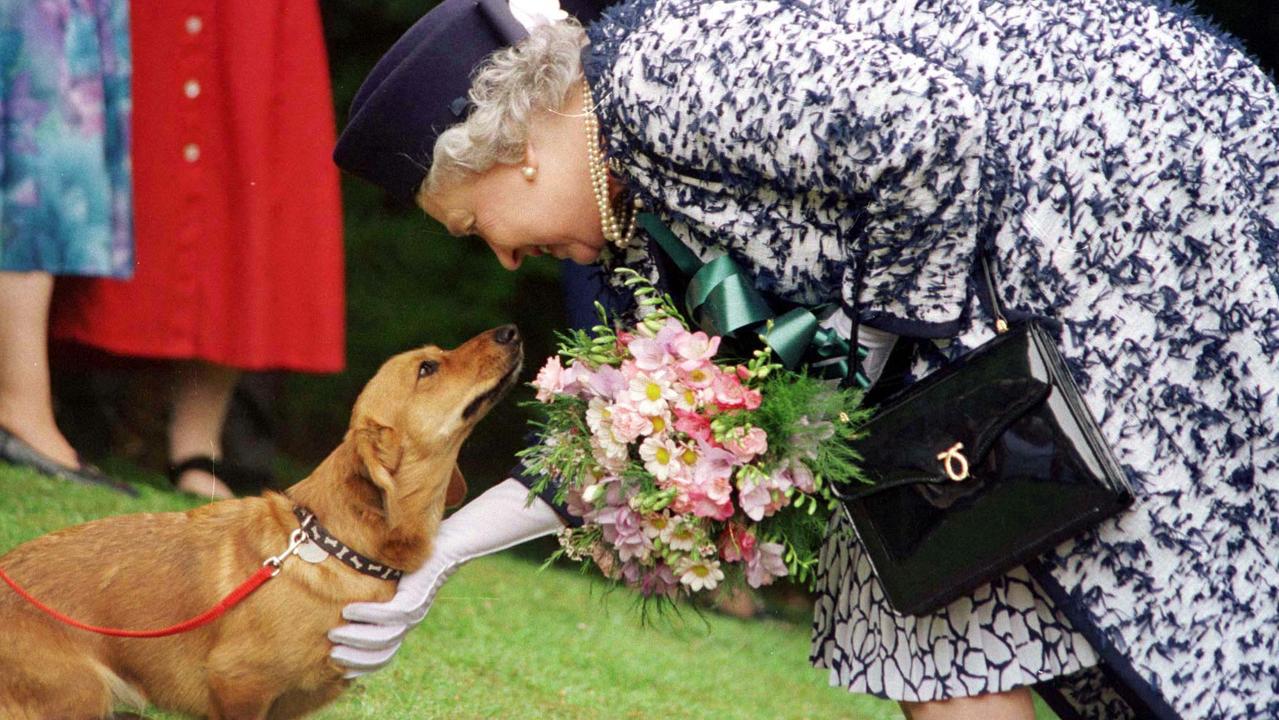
{"points": [[494, 521], [878, 344]]}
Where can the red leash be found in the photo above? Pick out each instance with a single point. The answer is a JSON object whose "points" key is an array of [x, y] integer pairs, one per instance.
{"points": [[270, 568]]}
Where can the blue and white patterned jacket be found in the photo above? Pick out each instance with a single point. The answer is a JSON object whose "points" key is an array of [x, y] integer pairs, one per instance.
{"points": [[1119, 161]]}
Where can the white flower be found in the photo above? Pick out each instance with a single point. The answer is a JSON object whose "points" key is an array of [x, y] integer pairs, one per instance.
{"points": [[661, 456], [685, 398], [700, 574], [592, 492], [599, 415], [650, 394], [609, 453], [658, 527], [682, 537]]}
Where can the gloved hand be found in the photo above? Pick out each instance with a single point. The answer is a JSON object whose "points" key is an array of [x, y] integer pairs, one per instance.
{"points": [[494, 521]]}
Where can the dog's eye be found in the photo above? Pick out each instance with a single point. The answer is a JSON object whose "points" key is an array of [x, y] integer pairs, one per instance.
{"points": [[428, 367]]}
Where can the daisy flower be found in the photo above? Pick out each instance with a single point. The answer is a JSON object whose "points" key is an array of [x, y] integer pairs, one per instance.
{"points": [[682, 537], [650, 394], [700, 574], [661, 457]]}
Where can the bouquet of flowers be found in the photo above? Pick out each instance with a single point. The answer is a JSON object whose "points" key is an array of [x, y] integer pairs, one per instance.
{"points": [[687, 469]]}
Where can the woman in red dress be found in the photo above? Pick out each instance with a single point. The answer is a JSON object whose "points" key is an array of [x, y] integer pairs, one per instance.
{"points": [[237, 213]]}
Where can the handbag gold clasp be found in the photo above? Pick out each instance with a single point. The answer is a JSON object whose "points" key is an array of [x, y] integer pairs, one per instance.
{"points": [[955, 463]]}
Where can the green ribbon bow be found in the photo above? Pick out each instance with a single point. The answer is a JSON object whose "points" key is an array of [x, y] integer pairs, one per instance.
{"points": [[721, 300]]}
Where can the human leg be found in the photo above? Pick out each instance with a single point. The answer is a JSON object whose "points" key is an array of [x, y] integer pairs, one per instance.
{"points": [[1012, 705], [26, 401], [201, 394]]}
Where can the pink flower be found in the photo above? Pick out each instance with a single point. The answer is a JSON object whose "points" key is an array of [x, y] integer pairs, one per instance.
{"points": [[659, 581], [751, 398], [746, 444], [704, 505], [753, 496], [606, 382], [576, 505], [669, 332], [634, 549], [698, 375], [632, 572], [695, 426], [802, 477], [623, 528], [793, 473], [729, 392], [713, 463], [628, 424], [780, 480], [766, 566], [736, 543], [550, 379], [575, 379], [693, 349], [649, 354]]}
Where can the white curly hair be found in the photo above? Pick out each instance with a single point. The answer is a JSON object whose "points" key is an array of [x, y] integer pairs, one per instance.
{"points": [[508, 89]]}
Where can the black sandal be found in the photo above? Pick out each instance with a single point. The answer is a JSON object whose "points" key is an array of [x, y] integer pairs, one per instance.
{"points": [[204, 463]]}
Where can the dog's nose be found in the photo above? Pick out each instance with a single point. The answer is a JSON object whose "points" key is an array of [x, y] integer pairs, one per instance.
{"points": [[506, 335]]}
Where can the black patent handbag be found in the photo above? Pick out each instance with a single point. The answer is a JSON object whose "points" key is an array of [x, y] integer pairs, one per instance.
{"points": [[978, 468]]}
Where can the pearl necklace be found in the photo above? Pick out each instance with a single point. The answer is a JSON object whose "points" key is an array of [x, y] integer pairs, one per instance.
{"points": [[611, 223]]}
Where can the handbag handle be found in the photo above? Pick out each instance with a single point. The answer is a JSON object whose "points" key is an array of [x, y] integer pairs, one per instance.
{"points": [[854, 313]]}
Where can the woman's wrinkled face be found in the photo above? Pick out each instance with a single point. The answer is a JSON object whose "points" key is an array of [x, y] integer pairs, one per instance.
{"points": [[555, 213]]}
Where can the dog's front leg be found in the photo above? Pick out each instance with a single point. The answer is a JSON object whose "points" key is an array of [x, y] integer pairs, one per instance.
{"points": [[240, 695]]}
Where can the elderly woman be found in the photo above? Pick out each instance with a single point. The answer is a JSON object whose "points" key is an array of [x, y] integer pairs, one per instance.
{"points": [[1116, 160]]}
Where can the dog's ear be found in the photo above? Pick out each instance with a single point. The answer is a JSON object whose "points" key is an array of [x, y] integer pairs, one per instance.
{"points": [[457, 489], [377, 447]]}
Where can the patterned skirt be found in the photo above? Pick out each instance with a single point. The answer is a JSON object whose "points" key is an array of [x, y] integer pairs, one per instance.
{"points": [[1004, 635], [65, 201]]}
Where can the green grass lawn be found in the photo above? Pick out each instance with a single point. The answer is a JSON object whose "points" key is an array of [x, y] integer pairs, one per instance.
{"points": [[505, 640]]}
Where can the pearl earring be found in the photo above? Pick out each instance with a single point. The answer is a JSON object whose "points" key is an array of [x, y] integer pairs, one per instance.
{"points": [[529, 172]]}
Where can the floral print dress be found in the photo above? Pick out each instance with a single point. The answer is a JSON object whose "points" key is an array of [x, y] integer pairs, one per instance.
{"points": [[1118, 161], [65, 199]]}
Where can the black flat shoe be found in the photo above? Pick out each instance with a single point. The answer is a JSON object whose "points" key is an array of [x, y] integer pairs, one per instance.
{"points": [[16, 451], [197, 462]]}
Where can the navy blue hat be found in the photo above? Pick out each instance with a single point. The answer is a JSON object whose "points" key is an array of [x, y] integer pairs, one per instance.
{"points": [[418, 89]]}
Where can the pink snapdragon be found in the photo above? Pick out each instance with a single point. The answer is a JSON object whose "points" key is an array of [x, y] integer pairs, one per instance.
{"points": [[767, 565], [606, 381], [694, 349], [694, 425], [747, 443], [736, 543], [753, 495], [795, 473]]}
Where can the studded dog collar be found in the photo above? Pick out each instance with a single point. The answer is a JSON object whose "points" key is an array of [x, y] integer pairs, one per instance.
{"points": [[331, 545]]}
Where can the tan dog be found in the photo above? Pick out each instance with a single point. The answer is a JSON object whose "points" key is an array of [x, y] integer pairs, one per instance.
{"points": [[382, 492]]}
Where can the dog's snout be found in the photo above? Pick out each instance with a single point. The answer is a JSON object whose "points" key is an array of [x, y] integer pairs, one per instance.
{"points": [[506, 335]]}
